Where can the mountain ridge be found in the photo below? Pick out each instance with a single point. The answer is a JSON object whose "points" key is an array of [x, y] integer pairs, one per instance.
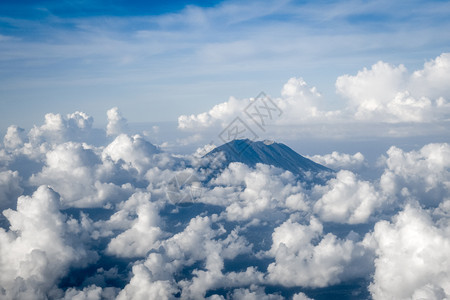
{"points": [[270, 153]]}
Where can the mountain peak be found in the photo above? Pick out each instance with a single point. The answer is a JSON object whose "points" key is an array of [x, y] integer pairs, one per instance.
{"points": [[270, 153]]}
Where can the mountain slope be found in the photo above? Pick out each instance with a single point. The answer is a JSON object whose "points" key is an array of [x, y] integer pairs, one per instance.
{"points": [[270, 153]]}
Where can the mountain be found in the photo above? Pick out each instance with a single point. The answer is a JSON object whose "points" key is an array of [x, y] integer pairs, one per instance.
{"points": [[270, 153]]}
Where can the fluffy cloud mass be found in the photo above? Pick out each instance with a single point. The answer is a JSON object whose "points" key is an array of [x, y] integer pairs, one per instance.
{"points": [[381, 94], [39, 247], [104, 214], [423, 174], [345, 199], [412, 241], [338, 161], [301, 262]]}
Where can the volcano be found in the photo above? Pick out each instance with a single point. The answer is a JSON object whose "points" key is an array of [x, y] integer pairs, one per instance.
{"points": [[270, 153]]}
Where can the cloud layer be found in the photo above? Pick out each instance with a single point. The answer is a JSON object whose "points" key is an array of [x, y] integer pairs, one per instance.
{"points": [[373, 98], [101, 221]]}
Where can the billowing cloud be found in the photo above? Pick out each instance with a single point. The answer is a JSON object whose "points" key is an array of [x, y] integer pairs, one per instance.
{"points": [[391, 94], [116, 123], [381, 94], [223, 112], [423, 174], [254, 292], [300, 296], [346, 199], [96, 221], [14, 137], [248, 193], [337, 161], [299, 104], [39, 248], [144, 233], [132, 152], [71, 169], [57, 128], [306, 257], [410, 244], [197, 242]]}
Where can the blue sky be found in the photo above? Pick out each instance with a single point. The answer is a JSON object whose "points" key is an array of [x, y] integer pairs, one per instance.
{"points": [[156, 61]]}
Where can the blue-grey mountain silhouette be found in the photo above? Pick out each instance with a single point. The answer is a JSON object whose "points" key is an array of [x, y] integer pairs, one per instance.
{"points": [[271, 153]]}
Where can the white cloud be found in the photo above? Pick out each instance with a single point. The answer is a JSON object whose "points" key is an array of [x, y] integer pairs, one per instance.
{"points": [[248, 193], [390, 94], [346, 199], [382, 94], [412, 257], [423, 175], [254, 293], [223, 112], [246, 218], [88, 293], [142, 286], [131, 151], [432, 80], [298, 105], [71, 170], [300, 296], [306, 257], [116, 123], [56, 128], [197, 242], [301, 103], [38, 249], [338, 161], [14, 138], [144, 233], [370, 87]]}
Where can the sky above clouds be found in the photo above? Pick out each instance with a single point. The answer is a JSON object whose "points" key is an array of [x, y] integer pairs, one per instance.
{"points": [[157, 61]]}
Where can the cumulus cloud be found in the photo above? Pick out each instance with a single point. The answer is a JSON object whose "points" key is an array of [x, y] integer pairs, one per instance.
{"points": [[298, 104], [116, 123], [338, 161], [254, 293], [91, 292], [144, 233], [94, 221], [423, 174], [132, 151], [306, 257], [38, 249], [222, 112], [390, 93], [381, 94], [142, 286], [14, 137], [57, 128], [197, 242], [432, 80], [300, 296], [248, 193], [345, 199], [71, 169], [412, 257]]}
